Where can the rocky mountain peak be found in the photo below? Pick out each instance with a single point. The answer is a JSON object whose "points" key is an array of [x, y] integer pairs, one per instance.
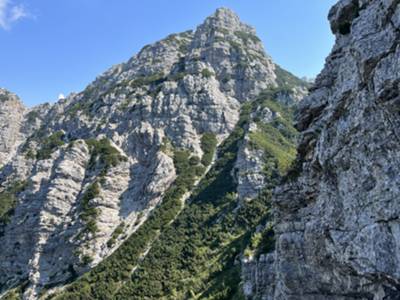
{"points": [[227, 22], [225, 19], [98, 163]]}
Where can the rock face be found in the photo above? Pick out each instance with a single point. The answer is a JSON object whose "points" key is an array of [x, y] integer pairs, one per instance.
{"points": [[337, 215], [11, 116], [82, 175]]}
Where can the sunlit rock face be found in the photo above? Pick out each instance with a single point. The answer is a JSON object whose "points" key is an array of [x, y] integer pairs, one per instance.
{"points": [[91, 164], [11, 115]]}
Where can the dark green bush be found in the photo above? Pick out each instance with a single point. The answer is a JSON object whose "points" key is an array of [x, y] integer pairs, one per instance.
{"points": [[208, 145], [154, 79], [194, 160], [32, 116], [117, 232], [89, 212], [50, 144], [103, 153], [206, 73]]}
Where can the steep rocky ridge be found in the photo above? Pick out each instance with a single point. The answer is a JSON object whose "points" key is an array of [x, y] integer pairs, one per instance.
{"points": [[82, 178], [337, 214]]}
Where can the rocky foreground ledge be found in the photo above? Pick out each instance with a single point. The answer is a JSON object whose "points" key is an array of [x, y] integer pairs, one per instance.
{"points": [[337, 216]]}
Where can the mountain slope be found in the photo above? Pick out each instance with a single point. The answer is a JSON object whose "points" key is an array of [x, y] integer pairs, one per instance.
{"points": [[198, 254], [105, 172]]}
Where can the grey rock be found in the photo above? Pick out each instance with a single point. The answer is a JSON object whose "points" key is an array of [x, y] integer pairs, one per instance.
{"points": [[11, 116], [337, 221]]}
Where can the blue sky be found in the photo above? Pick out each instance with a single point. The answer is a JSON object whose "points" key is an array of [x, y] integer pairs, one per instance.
{"points": [[50, 47]]}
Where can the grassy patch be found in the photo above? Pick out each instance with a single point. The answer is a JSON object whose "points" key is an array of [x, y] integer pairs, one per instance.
{"points": [[275, 144], [32, 116], [277, 138]]}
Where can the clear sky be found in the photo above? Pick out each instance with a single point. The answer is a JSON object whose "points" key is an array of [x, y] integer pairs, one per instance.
{"points": [[50, 47]]}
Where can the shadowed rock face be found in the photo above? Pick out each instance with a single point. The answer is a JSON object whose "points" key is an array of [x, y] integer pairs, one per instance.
{"points": [[337, 216]]}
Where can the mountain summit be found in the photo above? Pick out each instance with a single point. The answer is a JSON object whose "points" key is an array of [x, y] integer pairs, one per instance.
{"points": [[93, 185]]}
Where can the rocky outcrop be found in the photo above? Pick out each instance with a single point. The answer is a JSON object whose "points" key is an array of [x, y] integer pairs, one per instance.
{"points": [[337, 215], [11, 116], [92, 164]]}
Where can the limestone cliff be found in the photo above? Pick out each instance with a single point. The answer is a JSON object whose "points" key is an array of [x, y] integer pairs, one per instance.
{"points": [[337, 215]]}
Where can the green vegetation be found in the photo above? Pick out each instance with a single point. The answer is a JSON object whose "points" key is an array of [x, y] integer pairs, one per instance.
{"points": [[89, 211], [260, 242], [277, 138], [117, 232], [245, 36], [4, 97], [32, 116], [103, 157], [179, 71], [103, 154], [275, 145], [50, 144], [73, 110], [177, 76], [287, 80], [8, 200], [206, 73], [186, 176], [236, 46], [226, 78], [208, 145], [87, 259], [224, 31], [180, 41], [14, 294], [154, 79], [166, 146]]}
